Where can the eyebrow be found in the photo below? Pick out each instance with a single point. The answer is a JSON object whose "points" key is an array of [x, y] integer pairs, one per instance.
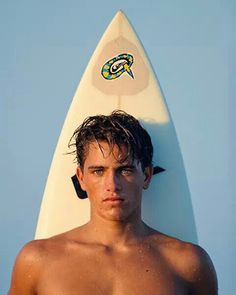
{"points": [[130, 166], [95, 167]]}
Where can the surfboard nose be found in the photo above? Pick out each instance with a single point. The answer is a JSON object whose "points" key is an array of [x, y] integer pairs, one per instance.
{"points": [[120, 13], [119, 18]]}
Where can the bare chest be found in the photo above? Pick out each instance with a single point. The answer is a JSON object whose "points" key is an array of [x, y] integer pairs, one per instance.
{"points": [[108, 274]]}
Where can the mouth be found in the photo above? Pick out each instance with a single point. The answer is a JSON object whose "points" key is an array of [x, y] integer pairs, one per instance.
{"points": [[113, 200]]}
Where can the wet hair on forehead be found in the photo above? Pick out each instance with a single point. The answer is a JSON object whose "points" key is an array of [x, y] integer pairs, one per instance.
{"points": [[122, 155], [118, 128]]}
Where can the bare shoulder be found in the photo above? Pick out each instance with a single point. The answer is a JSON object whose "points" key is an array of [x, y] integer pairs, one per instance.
{"points": [[191, 262], [26, 269], [30, 261], [34, 252]]}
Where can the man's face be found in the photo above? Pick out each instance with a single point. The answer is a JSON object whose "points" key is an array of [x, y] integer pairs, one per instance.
{"points": [[114, 186]]}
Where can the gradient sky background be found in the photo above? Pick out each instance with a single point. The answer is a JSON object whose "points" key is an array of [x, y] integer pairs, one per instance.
{"points": [[45, 47]]}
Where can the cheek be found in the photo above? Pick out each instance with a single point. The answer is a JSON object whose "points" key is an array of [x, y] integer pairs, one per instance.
{"points": [[134, 187], [92, 185]]}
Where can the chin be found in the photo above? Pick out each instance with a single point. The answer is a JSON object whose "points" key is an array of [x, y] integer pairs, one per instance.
{"points": [[115, 217], [120, 216]]}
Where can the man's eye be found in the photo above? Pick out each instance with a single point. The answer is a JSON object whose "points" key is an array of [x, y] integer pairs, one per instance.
{"points": [[98, 172], [126, 172]]}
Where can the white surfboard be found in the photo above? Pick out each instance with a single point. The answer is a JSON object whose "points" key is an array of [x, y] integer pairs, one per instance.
{"points": [[119, 76]]}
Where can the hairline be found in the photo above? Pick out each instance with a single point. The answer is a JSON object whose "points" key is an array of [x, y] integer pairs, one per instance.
{"points": [[111, 148]]}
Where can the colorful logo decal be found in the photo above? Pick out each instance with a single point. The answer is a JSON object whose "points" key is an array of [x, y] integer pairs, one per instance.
{"points": [[116, 66]]}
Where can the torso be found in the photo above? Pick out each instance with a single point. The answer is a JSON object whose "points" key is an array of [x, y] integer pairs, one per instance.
{"points": [[149, 267]]}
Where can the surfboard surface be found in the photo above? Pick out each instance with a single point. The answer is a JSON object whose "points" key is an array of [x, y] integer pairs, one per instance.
{"points": [[119, 76]]}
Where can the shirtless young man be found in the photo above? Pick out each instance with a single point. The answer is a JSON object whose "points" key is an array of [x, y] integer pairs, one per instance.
{"points": [[115, 253]]}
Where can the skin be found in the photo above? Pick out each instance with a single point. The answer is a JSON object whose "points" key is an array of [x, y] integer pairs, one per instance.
{"points": [[115, 253]]}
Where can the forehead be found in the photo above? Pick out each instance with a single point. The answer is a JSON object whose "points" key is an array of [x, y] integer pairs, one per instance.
{"points": [[101, 149]]}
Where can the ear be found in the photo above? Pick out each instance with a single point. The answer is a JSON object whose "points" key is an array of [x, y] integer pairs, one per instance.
{"points": [[148, 172], [80, 177]]}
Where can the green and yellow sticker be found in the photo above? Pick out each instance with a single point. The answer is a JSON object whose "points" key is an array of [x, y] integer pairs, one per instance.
{"points": [[118, 65]]}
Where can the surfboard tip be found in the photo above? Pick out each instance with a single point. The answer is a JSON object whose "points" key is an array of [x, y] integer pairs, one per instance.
{"points": [[120, 15], [120, 12]]}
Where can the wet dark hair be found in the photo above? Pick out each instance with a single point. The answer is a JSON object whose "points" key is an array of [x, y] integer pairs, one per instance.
{"points": [[118, 128]]}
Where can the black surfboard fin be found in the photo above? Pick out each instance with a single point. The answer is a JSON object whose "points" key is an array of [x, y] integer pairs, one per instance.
{"points": [[80, 193], [157, 170]]}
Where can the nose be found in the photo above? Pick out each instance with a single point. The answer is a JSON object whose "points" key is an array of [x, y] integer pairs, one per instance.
{"points": [[113, 182]]}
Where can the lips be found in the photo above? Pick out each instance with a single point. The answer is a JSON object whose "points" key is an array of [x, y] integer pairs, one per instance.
{"points": [[113, 200]]}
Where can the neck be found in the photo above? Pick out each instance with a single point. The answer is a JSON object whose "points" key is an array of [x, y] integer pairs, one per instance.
{"points": [[115, 233]]}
